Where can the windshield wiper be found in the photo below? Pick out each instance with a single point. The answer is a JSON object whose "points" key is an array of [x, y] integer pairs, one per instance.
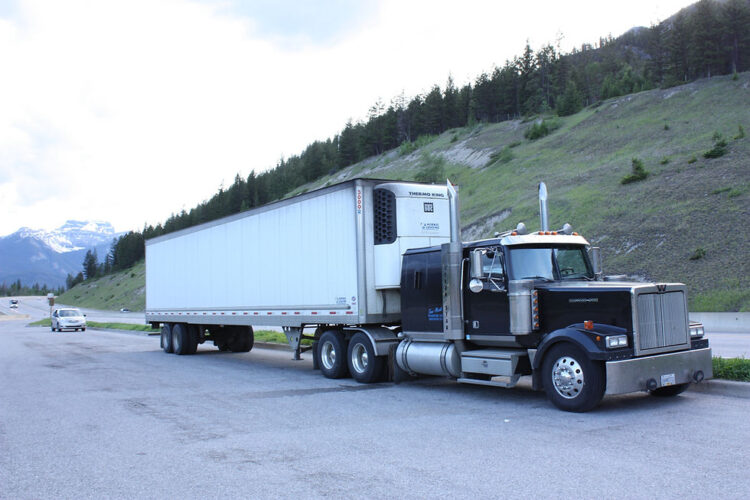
{"points": [[577, 277], [543, 278]]}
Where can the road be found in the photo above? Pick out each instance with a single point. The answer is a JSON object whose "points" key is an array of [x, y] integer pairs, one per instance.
{"points": [[108, 415]]}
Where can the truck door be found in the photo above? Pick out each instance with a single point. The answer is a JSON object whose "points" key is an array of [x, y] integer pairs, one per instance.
{"points": [[487, 312], [421, 292]]}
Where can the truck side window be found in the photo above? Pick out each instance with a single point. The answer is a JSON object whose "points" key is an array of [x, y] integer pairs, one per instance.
{"points": [[494, 273], [492, 266]]}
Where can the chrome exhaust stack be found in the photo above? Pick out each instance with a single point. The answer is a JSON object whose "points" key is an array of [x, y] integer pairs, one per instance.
{"points": [[451, 256], [543, 215]]}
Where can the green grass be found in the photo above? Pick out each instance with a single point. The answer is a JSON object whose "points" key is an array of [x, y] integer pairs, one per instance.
{"points": [[269, 336], [112, 292], [274, 337], [732, 369], [109, 326], [729, 298]]}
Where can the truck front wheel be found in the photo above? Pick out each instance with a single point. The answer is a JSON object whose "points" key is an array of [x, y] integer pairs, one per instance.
{"points": [[571, 380], [364, 366], [332, 354]]}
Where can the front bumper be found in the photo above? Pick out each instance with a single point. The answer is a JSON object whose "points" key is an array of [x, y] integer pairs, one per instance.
{"points": [[71, 326], [632, 375]]}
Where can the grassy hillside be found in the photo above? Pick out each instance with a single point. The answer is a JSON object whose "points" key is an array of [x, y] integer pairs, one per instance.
{"points": [[112, 292], [685, 222]]}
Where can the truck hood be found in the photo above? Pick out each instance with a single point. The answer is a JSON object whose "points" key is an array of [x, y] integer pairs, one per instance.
{"points": [[565, 303]]}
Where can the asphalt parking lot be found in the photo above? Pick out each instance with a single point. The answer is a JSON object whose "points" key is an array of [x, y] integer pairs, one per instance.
{"points": [[104, 414]]}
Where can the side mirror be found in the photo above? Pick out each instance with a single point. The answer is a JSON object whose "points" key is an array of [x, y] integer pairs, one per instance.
{"points": [[596, 261], [476, 265]]}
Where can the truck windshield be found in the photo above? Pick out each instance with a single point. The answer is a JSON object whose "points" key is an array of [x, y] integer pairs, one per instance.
{"points": [[549, 263]]}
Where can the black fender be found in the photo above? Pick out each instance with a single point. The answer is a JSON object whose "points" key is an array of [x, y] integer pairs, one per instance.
{"points": [[576, 335]]}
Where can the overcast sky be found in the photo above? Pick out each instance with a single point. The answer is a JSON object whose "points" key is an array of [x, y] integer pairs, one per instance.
{"points": [[128, 111]]}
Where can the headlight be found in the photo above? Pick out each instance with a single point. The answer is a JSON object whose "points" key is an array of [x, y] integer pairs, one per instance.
{"points": [[615, 341], [696, 331]]}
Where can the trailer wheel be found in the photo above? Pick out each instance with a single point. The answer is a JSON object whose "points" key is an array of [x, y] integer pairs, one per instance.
{"points": [[180, 341], [669, 391], [571, 380], [363, 364], [166, 337], [192, 339], [332, 354], [241, 339]]}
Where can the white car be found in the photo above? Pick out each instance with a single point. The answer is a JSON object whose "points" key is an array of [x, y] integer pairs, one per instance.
{"points": [[68, 318]]}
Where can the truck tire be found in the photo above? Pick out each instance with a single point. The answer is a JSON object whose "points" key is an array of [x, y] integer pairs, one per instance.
{"points": [[332, 354], [192, 337], [180, 342], [166, 337], [669, 391], [363, 364], [571, 380], [241, 339]]}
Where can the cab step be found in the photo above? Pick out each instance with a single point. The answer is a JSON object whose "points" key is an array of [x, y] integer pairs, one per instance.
{"points": [[498, 381]]}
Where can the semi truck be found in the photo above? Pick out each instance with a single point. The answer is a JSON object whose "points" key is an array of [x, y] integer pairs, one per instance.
{"points": [[372, 276]]}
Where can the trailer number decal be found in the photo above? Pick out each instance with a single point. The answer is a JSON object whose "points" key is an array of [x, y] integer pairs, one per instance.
{"points": [[359, 201], [429, 208]]}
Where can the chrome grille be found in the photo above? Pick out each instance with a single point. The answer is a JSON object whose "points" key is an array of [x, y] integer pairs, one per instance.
{"points": [[661, 321]]}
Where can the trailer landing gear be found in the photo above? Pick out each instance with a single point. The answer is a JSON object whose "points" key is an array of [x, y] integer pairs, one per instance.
{"points": [[295, 336]]}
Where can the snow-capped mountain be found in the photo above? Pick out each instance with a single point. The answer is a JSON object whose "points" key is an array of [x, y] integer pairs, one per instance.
{"points": [[71, 236], [47, 257]]}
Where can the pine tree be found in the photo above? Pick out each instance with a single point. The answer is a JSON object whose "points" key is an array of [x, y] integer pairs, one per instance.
{"points": [[451, 112], [735, 19], [348, 146], [571, 101], [433, 111], [90, 264], [706, 42]]}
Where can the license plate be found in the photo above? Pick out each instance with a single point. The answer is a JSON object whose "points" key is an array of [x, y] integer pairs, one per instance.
{"points": [[667, 379]]}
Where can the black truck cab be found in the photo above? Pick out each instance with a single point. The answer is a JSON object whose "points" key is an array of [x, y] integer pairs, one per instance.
{"points": [[528, 298]]}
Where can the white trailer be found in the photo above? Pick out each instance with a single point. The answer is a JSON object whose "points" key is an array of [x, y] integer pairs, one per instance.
{"points": [[328, 257]]}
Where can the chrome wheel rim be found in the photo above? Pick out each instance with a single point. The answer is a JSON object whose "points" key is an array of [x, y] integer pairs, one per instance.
{"points": [[328, 355], [567, 377], [359, 358]]}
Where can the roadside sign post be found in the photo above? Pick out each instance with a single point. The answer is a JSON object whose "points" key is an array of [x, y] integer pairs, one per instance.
{"points": [[51, 300]]}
